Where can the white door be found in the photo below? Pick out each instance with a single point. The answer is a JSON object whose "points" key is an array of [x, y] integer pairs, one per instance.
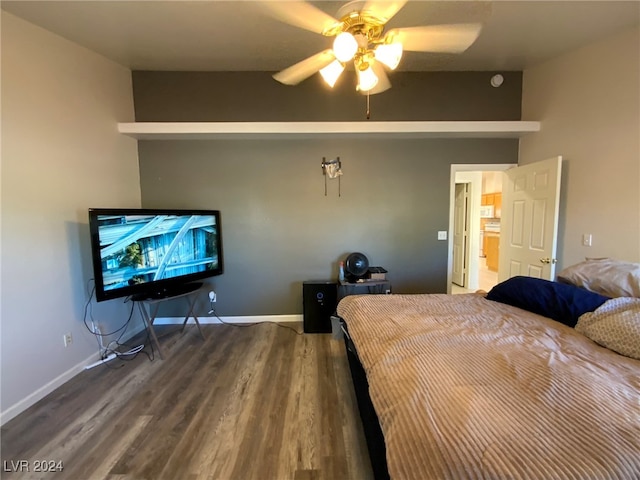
{"points": [[460, 234], [529, 231]]}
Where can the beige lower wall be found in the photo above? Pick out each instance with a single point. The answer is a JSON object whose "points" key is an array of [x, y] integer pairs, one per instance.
{"points": [[61, 154], [589, 104]]}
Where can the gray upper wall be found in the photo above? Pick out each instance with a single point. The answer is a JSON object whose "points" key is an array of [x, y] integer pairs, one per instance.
{"points": [[256, 97], [279, 228]]}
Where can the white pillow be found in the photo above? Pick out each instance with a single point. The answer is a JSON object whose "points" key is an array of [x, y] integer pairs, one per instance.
{"points": [[615, 325], [606, 276]]}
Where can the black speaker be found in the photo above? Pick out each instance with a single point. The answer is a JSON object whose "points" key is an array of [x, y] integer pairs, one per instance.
{"points": [[319, 301]]}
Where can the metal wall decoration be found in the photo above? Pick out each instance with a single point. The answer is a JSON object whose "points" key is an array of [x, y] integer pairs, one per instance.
{"points": [[331, 169]]}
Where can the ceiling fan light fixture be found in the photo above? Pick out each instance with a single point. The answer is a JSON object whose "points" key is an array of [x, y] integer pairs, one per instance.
{"points": [[360, 39], [345, 46], [389, 54], [367, 79], [332, 72]]}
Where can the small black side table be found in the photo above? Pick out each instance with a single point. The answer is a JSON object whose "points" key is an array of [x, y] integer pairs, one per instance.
{"points": [[363, 288]]}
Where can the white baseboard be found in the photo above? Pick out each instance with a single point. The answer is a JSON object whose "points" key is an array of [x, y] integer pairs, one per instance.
{"points": [[239, 319], [45, 390]]}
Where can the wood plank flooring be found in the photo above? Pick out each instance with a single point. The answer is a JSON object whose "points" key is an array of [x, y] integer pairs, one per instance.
{"points": [[256, 402]]}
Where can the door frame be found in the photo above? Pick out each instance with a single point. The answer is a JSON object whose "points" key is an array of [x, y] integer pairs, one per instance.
{"points": [[474, 213], [462, 216]]}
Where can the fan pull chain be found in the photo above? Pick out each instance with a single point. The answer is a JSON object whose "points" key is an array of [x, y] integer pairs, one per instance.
{"points": [[368, 108]]}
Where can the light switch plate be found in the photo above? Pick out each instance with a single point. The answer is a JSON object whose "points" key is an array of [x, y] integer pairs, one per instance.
{"points": [[442, 235]]}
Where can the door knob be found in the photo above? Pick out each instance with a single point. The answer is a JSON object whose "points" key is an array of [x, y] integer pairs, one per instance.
{"points": [[548, 260]]}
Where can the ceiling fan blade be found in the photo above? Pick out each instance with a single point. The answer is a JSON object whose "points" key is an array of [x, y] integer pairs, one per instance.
{"points": [[304, 69], [383, 80], [300, 14], [438, 38], [383, 9]]}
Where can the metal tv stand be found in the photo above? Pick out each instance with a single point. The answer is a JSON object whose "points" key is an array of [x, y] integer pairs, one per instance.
{"points": [[149, 305]]}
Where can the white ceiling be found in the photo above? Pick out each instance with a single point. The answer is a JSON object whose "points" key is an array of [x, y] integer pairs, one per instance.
{"points": [[241, 36]]}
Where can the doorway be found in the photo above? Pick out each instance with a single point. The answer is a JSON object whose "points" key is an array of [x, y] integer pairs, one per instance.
{"points": [[474, 267]]}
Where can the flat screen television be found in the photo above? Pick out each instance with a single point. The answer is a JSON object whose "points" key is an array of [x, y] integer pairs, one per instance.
{"points": [[152, 253]]}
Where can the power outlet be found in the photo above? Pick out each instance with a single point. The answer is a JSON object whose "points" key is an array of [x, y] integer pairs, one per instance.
{"points": [[213, 297], [68, 339]]}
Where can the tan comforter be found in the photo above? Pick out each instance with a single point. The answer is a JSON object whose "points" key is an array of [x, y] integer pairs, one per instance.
{"points": [[466, 388]]}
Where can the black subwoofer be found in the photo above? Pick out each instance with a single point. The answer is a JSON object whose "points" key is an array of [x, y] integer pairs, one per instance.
{"points": [[319, 301]]}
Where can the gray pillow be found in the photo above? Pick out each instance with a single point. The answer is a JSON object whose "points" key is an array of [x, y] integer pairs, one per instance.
{"points": [[613, 278]]}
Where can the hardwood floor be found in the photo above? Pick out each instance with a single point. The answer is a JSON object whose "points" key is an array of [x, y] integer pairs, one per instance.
{"points": [[255, 402]]}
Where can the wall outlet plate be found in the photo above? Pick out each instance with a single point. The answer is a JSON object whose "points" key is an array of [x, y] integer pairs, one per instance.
{"points": [[442, 235]]}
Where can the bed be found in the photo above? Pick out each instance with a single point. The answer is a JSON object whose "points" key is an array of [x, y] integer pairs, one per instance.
{"points": [[469, 387]]}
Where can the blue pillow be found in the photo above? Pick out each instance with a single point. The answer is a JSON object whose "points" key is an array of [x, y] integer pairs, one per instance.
{"points": [[559, 301]]}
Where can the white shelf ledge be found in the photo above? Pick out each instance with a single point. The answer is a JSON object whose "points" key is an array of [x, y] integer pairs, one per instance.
{"points": [[298, 130]]}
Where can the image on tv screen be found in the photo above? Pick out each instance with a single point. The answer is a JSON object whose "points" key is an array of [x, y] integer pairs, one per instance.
{"points": [[137, 249]]}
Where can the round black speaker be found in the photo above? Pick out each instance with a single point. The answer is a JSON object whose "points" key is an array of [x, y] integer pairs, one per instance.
{"points": [[356, 266]]}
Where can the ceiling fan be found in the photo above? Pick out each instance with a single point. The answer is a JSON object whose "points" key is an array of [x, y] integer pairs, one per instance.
{"points": [[362, 41]]}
